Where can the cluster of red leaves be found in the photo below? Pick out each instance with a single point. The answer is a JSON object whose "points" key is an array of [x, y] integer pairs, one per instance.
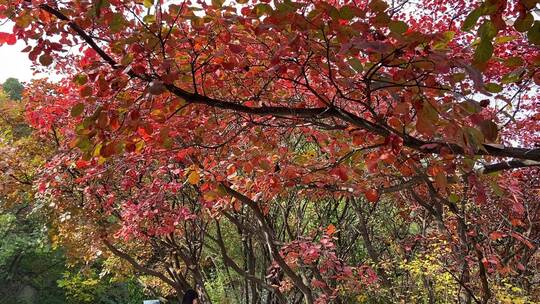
{"points": [[165, 107]]}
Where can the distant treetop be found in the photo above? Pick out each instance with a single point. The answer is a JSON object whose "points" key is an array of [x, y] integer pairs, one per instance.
{"points": [[13, 88]]}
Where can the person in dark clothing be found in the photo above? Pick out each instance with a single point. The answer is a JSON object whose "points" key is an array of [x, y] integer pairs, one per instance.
{"points": [[190, 297]]}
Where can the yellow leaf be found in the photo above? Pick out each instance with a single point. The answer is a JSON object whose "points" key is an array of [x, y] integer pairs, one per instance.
{"points": [[211, 196], [194, 177]]}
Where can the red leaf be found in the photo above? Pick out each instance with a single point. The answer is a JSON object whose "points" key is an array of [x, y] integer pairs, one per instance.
{"points": [[520, 238], [372, 195], [331, 229], [81, 164], [235, 48], [495, 235], [7, 38], [340, 172]]}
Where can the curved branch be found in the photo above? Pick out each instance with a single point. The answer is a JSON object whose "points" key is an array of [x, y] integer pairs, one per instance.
{"points": [[508, 165], [138, 266], [270, 242], [322, 112]]}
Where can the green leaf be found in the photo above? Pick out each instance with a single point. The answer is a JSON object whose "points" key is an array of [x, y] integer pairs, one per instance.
{"points": [[98, 5], [444, 40], [97, 150], [356, 64], [117, 23], [149, 18], [448, 36], [513, 62], [84, 144], [493, 88], [524, 22], [398, 27], [285, 8], [497, 190], [504, 39], [489, 7], [112, 219], [313, 14], [487, 30], [333, 13], [148, 3], [474, 137], [484, 51], [457, 77], [80, 79], [77, 109], [127, 59], [414, 228], [513, 76], [534, 33], [346, 13], [471, 106], [471, 20], [382, 19], [263, 9], [454, 198]]}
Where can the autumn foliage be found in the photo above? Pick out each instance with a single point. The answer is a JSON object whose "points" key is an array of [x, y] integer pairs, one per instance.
{"points": [[312, 151]]}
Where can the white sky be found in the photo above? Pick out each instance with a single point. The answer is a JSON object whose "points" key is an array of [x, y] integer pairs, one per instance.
{"points": [[13, 63]]}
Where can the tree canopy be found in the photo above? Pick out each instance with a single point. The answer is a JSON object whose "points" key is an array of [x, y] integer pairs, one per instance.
{"points": [[13, 88], [293, 151], [33, 268]]}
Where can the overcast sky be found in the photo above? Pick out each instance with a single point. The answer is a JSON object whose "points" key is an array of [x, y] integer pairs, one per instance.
{"points": [[13, 63]]}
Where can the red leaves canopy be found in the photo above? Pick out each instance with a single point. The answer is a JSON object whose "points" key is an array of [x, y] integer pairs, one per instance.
{"points": [[353, 99]]}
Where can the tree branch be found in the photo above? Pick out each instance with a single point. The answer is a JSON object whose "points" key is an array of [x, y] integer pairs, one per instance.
{"points": [[331, 111], [507, 165], [138, 266], [270, 242]]}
